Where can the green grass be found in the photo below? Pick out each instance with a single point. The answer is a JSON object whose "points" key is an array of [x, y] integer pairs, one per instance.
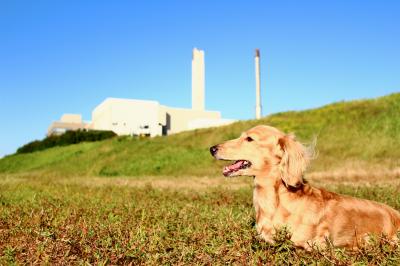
{"points": [[47, 222], [54, 210], [360, 132]]}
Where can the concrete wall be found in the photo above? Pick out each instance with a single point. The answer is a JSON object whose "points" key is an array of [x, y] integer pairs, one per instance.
{"points": [[127, 116], [136, 117], [58, 128], [67, 122], [71, 118], [179, 118]]}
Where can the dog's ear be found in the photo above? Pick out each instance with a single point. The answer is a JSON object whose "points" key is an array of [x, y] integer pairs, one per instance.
{"points": [[294, 161]]}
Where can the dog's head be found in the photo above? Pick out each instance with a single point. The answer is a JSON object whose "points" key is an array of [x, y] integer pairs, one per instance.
{"points": [[262, 149]]}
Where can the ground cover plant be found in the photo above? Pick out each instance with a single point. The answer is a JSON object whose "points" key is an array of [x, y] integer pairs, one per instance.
{"points": [[68, 138], [45, 219], [360, 135], [164, 201]]}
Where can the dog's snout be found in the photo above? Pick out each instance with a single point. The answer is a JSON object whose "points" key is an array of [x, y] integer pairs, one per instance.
{"points": [[213, 150]]}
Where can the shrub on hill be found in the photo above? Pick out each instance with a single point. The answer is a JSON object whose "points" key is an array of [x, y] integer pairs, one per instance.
{"points": [[68, 138]]}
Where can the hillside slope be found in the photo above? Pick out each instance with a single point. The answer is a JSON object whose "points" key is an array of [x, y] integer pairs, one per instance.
{"points": [[361, 134]]}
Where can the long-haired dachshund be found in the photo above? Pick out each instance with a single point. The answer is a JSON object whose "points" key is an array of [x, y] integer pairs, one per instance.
{"points": [[282, 198]]}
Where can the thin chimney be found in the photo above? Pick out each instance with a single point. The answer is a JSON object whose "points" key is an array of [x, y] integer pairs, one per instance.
{"points": [[258, 89]]}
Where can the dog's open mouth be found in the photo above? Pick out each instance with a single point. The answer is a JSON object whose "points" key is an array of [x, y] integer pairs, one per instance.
{"points": [[236, 166]]}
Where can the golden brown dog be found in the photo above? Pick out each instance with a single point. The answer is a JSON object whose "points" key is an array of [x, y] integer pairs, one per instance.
{"points": [[282, 198]]}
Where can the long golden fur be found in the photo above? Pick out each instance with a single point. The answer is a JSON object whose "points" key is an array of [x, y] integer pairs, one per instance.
{"points": [[281, 197]]}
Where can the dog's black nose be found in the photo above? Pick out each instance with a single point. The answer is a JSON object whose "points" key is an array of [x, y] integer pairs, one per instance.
{"points": [[213, 150]]}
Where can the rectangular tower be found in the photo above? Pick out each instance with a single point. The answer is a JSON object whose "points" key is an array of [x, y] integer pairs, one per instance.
{"points": [[198, 80]]}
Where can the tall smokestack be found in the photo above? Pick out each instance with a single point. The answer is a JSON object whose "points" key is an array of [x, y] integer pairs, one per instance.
{"points": [[258, 89], [198, 80]]}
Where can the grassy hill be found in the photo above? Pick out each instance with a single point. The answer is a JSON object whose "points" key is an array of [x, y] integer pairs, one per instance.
{"points": [[361, 134]]}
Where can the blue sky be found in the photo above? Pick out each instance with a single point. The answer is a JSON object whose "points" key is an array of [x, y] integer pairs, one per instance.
{"points": [[67, 56]]}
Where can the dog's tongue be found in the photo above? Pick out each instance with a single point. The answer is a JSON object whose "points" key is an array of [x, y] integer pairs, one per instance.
{"points": [[233, 167]]}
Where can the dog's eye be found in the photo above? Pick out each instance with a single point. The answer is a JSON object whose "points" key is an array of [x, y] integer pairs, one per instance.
{"points": [[249, 139]]}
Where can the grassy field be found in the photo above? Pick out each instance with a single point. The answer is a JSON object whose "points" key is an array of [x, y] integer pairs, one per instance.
{"points": [[164, 200], [49, 219]]}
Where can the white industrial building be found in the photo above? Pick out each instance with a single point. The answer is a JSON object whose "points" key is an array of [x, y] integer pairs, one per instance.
{"points": [[142, 117], [67, 122]]}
